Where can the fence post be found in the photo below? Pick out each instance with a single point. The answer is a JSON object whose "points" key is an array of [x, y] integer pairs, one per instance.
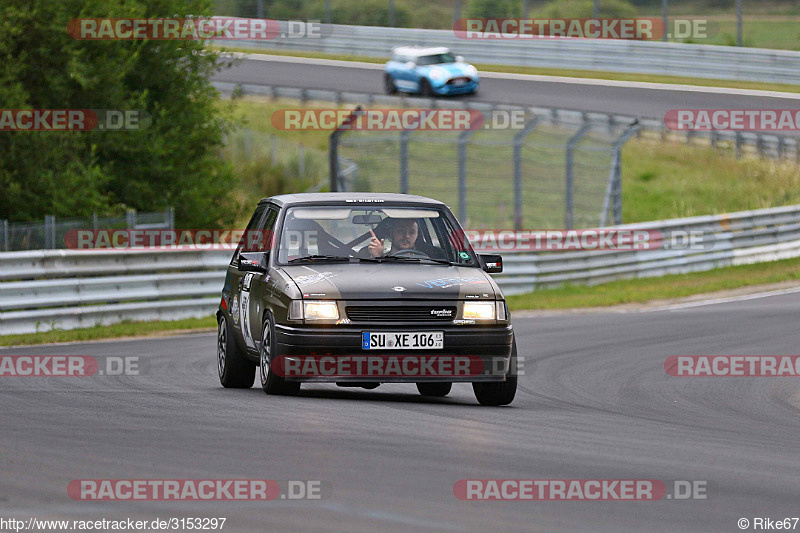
{"points": [[171, 218], [518, 139], [301, 160], [738, 144], [569, 219], [614, 185], [333, 148], [5, 235], [404, 135], [49, 232], [95, 222], [130, 218], [463, 138]]}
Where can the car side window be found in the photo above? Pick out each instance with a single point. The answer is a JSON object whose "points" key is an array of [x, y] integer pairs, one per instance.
{"points": [[248, 238], [268, 229]]}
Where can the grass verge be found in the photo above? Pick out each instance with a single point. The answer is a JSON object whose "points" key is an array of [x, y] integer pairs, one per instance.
{"points": [[124, 329], [667, 287], [540, 71], [660, 180]]}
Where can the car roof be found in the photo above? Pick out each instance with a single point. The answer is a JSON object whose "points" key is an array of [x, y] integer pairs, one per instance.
{"points": [[354, 197], [418, 51]]}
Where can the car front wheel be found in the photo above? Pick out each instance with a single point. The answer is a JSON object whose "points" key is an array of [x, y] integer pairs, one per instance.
{"points": [[425, 88], [434, 389], [503, 392], [235, 372], [270, 381], [388, 84]]}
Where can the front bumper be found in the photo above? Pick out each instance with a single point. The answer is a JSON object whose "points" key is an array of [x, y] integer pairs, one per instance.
{"points": [[447, 89], [487, 346]]}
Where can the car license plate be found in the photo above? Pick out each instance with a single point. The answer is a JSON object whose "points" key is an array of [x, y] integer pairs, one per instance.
{"points": [[392, 340], [458, 83]]}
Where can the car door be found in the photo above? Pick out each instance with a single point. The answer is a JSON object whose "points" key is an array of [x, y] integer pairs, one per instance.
{"points": [[404, 78], [254, 286], [234, 282]]}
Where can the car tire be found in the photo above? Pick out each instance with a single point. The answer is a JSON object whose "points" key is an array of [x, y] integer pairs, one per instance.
{"points": [[425, 88], [502, 392], [270, 381], [388, 84], [235, 371], [434, 389]]}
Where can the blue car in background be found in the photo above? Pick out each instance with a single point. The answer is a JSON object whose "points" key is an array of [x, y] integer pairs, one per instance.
{"points": [[429, 72]]}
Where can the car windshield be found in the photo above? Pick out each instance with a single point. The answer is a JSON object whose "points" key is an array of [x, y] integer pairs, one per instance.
{"points": [[401, 232], [436, 59]]}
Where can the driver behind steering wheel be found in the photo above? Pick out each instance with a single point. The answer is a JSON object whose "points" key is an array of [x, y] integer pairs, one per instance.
{"points": [[404, 232]]}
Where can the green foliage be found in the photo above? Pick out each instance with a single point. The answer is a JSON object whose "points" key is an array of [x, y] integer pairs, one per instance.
{"points": [[493, 9], [172, 161], [358, 12], [585, 8]]}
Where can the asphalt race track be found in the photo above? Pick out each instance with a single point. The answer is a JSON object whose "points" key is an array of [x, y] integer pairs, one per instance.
{"points": [[626, 100], [595, 403]]}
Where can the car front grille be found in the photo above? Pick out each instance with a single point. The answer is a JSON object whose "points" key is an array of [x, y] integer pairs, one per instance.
{"points": [[397, 313]]}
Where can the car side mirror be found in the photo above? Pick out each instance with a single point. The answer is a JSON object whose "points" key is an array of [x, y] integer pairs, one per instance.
{"points": [[254, 262], [493, 264], [459, 59], [410, 65]]}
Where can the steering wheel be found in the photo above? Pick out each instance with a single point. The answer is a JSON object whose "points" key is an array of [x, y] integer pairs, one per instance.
{"points": [[410, 252]]}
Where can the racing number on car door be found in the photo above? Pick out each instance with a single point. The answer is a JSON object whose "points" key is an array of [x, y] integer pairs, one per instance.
{"points": [[244, 309], [252, 289]]}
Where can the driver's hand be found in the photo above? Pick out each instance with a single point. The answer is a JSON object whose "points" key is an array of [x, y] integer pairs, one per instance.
{"points": [[376, 248]]}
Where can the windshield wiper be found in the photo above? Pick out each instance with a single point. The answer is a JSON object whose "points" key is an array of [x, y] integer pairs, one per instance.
{"points": [[440, 261], [388, 258], [402, 258], [319, 258]]}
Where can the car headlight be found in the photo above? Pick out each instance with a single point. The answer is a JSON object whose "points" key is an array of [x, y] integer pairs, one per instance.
{"points": [[321, 310], [479, 310], [437, 74], [472, 71]]}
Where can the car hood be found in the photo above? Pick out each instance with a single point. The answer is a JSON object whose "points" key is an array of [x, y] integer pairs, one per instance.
{"points": [[395, 281], [453, 70]]}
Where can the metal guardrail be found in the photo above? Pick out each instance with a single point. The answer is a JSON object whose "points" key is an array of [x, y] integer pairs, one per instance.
{"points": [[50, 235], [646, 57], [743, 142], [66, 289]]}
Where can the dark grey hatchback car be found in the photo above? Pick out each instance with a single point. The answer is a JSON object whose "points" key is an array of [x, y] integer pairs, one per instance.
{"points": [[360, 289]]}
